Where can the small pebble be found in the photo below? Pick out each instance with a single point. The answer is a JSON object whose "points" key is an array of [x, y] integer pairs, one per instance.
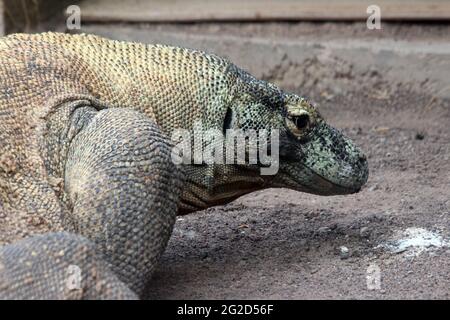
{"points": [[344, 252], [364, 232], [420, 136], [399, 250], [323, 230]]}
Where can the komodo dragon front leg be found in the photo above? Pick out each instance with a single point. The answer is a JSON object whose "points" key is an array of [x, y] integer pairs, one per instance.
{"points": [[122, 189]]}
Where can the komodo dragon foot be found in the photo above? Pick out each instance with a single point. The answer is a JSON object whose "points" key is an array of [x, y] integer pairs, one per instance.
{"points": [[123, 190]]}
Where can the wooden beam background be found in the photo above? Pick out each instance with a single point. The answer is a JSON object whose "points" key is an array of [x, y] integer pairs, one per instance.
{"points": [[259, 10], [26, 15]]}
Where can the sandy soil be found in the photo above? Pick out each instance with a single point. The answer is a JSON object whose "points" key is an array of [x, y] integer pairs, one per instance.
{"points": [[391, 240]]}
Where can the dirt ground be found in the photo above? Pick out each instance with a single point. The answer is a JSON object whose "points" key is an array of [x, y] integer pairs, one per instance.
{"points": [[389, 90]]}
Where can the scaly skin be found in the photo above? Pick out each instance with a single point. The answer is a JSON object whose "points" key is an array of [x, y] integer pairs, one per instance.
{"points": [[86, 174]]}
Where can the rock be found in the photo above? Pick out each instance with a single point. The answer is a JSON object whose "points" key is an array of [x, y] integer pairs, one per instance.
{"points": [[420, 136], [189, 234], [364, 232], [344, 252], [399, 250], [323, 230]]}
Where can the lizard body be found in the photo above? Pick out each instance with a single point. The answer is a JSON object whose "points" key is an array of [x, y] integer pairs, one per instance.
{"points": [[85, 154]]}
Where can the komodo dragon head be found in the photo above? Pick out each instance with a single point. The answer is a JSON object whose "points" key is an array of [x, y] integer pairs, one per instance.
{"points": [[313, 156]]}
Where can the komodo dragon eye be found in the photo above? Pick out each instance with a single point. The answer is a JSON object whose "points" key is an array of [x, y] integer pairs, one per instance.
{"points": [[301, 121]]}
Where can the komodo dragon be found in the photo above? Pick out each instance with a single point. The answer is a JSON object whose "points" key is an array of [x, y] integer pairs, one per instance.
{"points": [[88, 186]]}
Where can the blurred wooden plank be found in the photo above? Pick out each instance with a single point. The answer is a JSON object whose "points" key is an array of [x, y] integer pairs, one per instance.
{"points": [[259, 10], [27, 15], [2, 18]]}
